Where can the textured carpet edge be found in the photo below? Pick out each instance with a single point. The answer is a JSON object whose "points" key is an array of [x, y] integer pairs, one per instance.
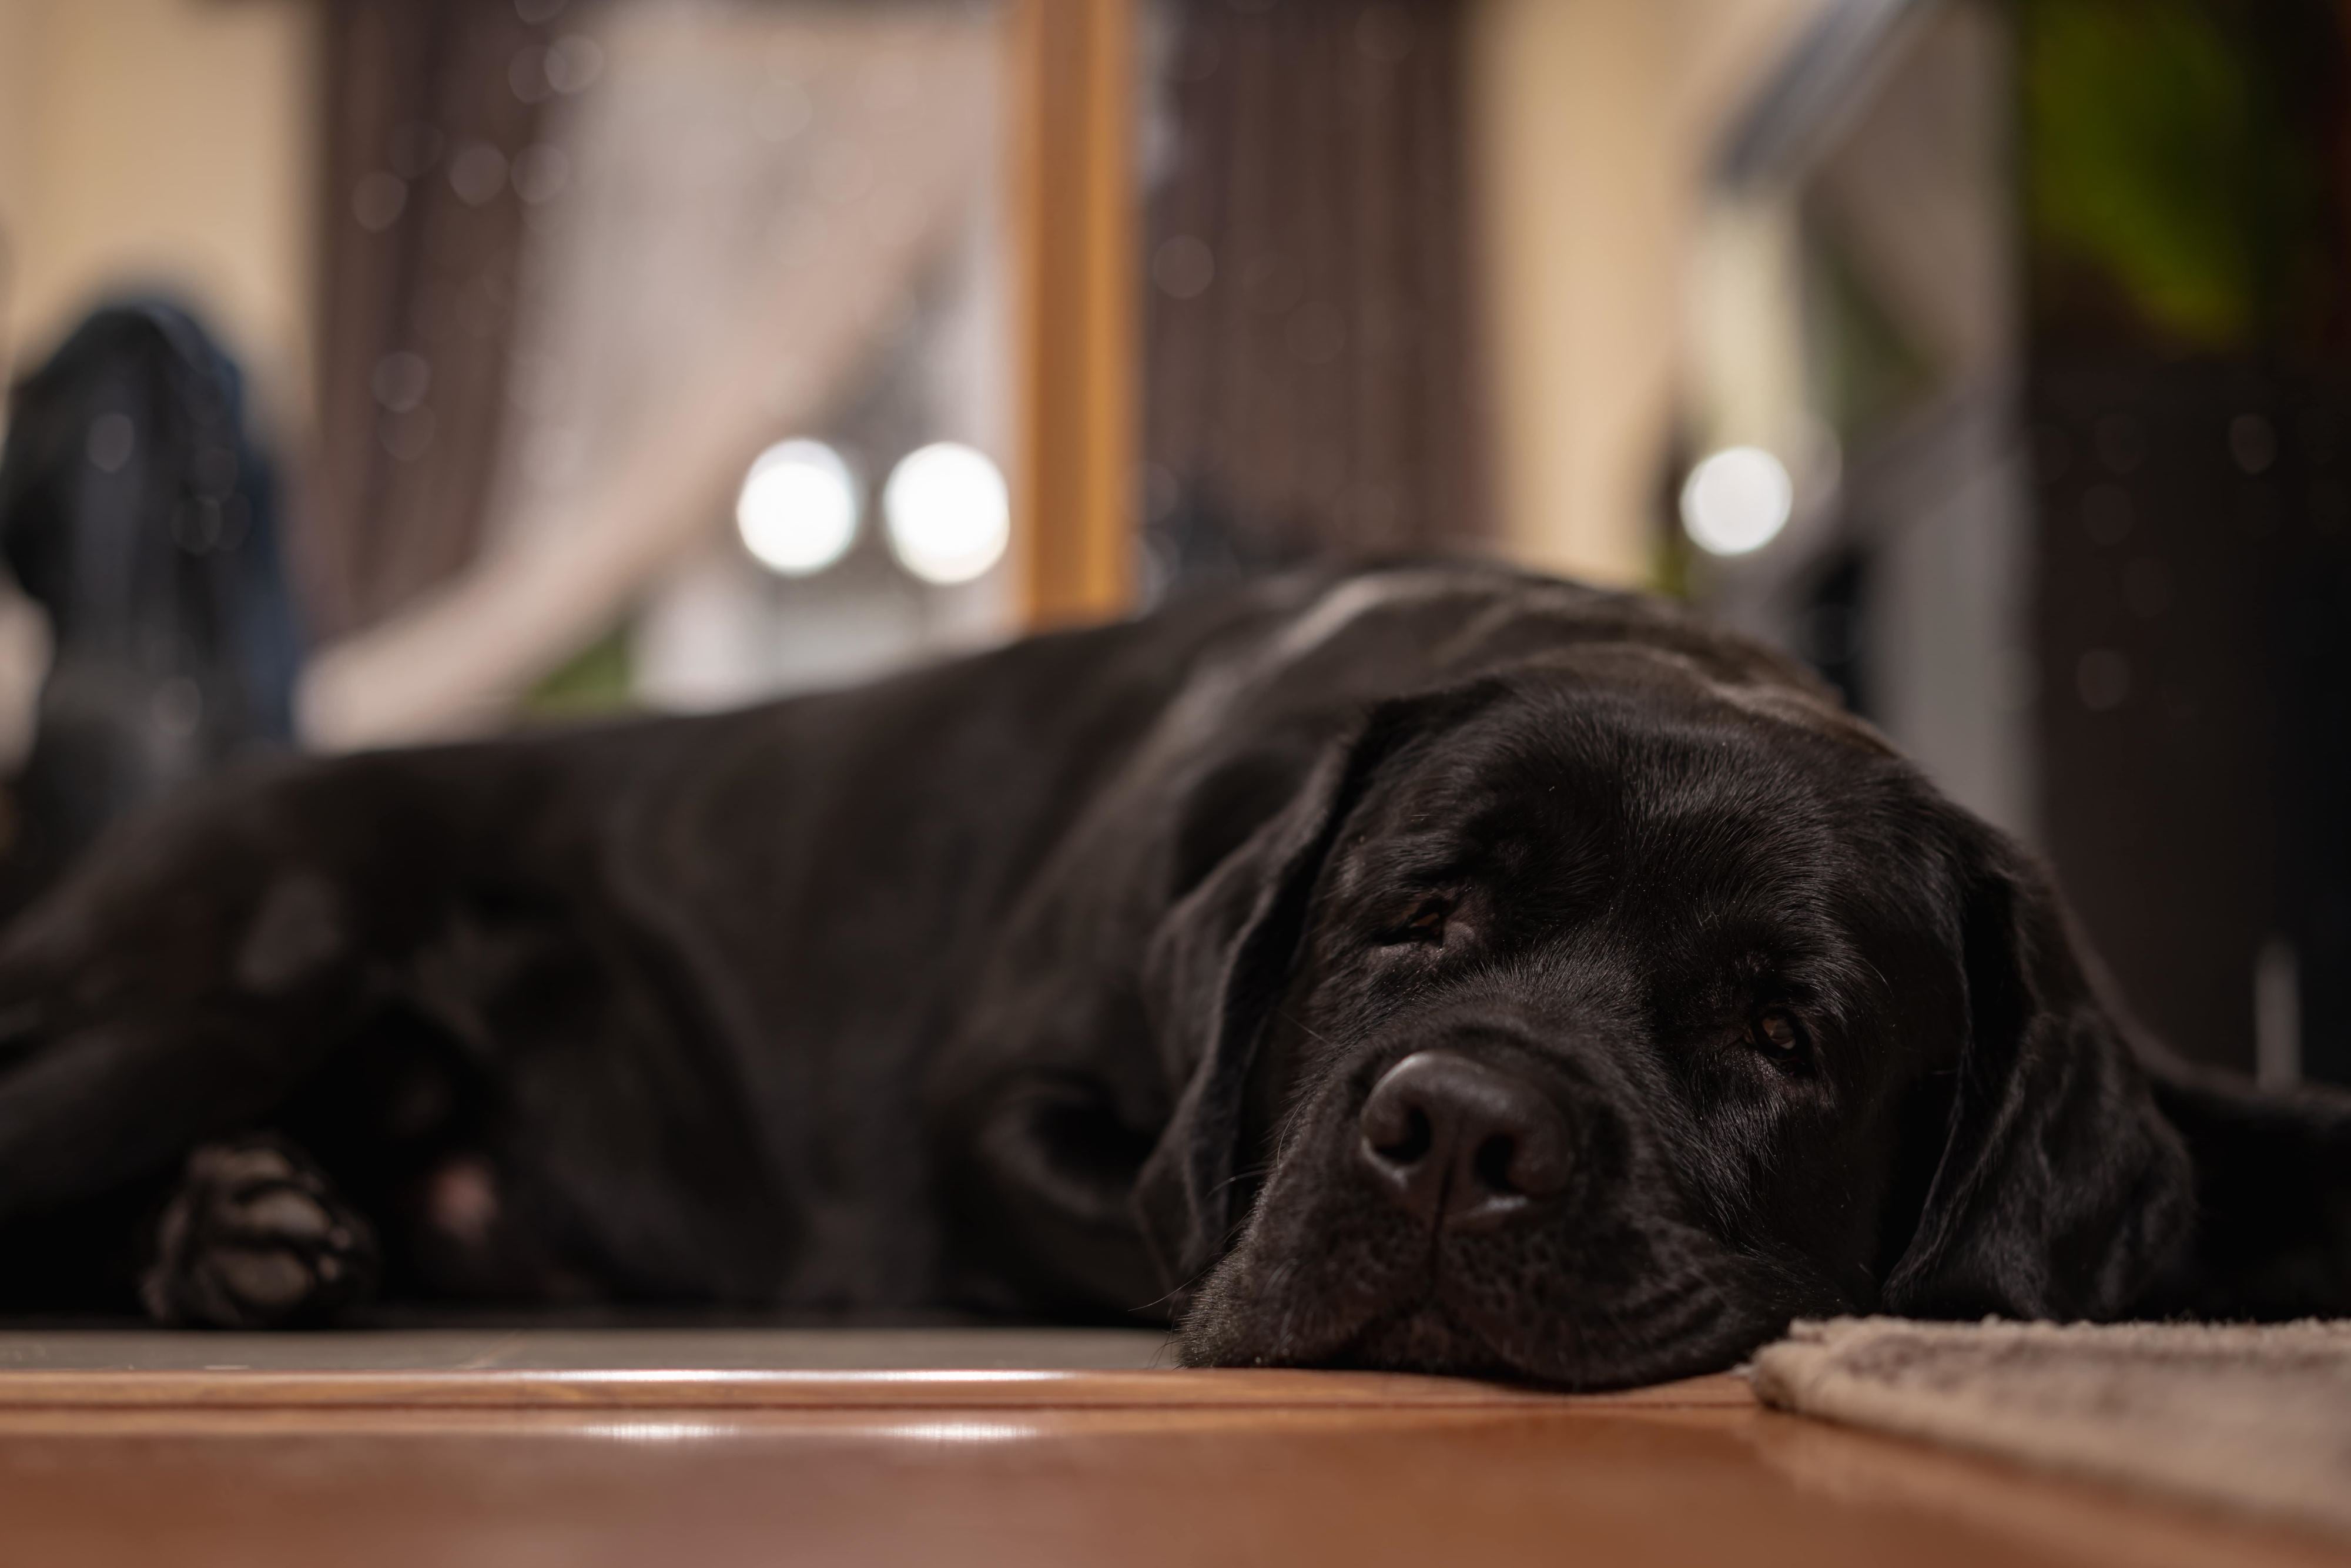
{"points": [[2253, 1419]]}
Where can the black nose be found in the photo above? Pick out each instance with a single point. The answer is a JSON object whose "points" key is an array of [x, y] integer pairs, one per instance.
{"points": [[1458, 1143]]}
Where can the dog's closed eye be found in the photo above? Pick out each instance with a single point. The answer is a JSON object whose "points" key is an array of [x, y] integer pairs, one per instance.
{"points": [[1425, 926]]}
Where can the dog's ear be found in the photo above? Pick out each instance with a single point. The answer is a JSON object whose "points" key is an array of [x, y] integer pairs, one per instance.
{"points": [[2061, 1191], [1220, 960]]}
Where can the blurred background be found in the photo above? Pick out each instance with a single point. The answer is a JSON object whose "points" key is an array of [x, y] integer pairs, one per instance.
{"points": [[394, 370]]}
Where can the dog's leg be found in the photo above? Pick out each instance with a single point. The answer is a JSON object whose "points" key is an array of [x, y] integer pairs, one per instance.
{"points": [[255, 1238], [202, 967], [126, 1097], [175, 991]]}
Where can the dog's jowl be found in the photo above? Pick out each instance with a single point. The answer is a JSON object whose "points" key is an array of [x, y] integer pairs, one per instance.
{"points": [[1439, 968]]}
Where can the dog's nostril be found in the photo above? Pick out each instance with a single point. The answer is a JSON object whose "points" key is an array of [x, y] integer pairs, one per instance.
{"points": [[1493, 1162], [1411, 1142]]}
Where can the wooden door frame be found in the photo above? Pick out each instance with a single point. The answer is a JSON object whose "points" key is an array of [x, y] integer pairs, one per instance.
{"points": [[1077, 213]]}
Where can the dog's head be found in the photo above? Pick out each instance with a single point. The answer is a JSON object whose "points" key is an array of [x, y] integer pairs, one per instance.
{"points": [[1588, 1022]]}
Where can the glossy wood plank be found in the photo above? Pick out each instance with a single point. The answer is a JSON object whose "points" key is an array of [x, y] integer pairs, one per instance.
{"points": [[802, 1369], [600, 1348], [597, 1447], [1569, 1483], [680, 1388]]}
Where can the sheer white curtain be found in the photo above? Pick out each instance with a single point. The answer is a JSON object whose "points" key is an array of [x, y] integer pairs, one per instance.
{"points": [[725, 234]]}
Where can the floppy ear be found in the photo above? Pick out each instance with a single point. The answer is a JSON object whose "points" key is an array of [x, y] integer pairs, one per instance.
{"points": [[1220, 961], [2061, 1192]]}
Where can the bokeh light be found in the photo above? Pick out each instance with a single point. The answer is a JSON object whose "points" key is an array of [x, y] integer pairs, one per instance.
{"points": [[947, 513], [1737, 500], [797, 511]]}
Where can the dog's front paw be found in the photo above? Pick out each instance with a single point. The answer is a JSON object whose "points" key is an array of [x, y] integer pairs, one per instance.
{"points": [[255, 1237]]}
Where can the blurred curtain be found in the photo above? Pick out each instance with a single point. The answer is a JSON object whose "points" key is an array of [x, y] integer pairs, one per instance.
{"points": [[759, 205], [1307, 355], [430, 112]]}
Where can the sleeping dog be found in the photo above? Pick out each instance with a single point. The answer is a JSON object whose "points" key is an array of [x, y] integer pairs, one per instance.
{"points": [[1441, 969]]}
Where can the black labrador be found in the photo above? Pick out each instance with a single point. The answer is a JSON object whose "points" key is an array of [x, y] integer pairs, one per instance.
{"points": [[1437, 967]]}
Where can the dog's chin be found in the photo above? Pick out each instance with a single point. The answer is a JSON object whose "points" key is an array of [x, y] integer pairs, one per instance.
{"points": [[1685, 1329], [1427, 1341], [1424, 1338]]}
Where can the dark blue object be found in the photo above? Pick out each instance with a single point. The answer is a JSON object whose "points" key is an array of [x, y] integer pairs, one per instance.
{"points": [[137, 511]]}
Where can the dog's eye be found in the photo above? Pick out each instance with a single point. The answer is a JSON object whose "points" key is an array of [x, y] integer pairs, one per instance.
{"points": [[1778, 1035], [1426, 924]]}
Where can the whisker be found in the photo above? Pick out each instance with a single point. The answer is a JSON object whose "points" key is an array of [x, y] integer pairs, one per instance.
{"points": [[1303, 1027]]}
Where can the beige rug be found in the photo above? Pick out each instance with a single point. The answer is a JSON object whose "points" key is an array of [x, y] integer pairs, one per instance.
{"points": [[2257, 1418]]}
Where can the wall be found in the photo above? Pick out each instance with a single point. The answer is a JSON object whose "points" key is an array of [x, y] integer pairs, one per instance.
{"points": [[1594, 121], [162, 144]]}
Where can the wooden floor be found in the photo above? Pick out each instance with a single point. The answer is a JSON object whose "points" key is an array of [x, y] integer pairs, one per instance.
{"points": [[968, 1449]]}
